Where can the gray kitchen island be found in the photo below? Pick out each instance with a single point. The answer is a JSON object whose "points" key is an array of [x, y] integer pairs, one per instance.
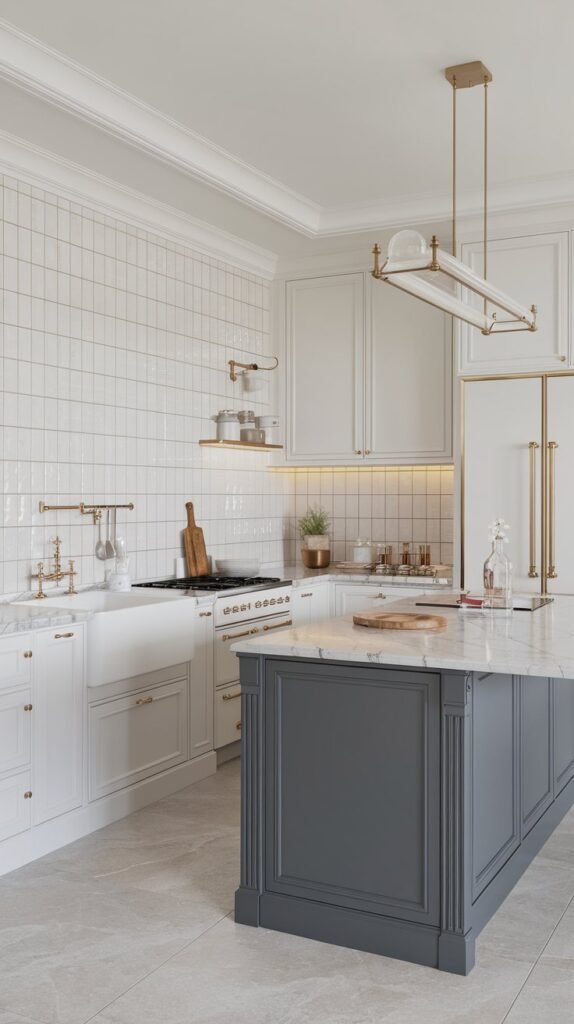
{"points": [[395, 786]]}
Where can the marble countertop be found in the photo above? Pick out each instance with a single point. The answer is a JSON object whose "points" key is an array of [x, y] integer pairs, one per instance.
{"points": [[22, 618], [300, 576], [539, 643]]}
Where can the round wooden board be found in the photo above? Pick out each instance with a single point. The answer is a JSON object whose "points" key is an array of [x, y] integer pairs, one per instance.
{"points": [[400, 620]]}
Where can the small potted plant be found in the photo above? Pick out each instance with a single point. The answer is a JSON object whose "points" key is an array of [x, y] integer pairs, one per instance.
{"points": [[316, 548]]}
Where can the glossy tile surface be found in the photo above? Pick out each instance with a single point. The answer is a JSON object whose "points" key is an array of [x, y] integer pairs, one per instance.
{"points": [[134, 925]]}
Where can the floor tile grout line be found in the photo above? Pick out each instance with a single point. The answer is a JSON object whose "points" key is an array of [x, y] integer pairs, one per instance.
{"points": [[155, 969], [537, 961]]}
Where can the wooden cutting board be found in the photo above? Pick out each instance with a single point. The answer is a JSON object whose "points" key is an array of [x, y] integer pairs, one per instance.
{"points": [[400, 620], [194, 546]]}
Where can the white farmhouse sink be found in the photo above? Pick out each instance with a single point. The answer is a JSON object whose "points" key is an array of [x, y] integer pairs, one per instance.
{"points": [[132, 633]]}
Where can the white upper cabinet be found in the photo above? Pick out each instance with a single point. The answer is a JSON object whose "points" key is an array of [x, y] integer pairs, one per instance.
{"points": [[325, 345], [369, 374], [533, 269], [408, 380]]}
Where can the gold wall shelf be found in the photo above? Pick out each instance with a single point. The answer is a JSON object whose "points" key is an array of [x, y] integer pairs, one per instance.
{"points": [[250, 446]]}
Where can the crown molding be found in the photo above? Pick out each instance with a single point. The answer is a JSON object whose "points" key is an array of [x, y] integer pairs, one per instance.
{"points": [[44, 170], [57, 79], [50, 75]]}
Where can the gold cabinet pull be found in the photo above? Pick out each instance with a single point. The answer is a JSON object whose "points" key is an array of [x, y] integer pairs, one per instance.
{"points": [[28, 654], [532, 446], [552, 574], [308, 594], [231, 696], [205, 615], [28, 707], [278, 625], [144, 700], [28, 794], [235, 636], [63, 636], [238, 726]]}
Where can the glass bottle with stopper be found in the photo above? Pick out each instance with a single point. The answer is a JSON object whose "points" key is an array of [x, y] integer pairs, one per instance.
{"points": [[497, 572]]}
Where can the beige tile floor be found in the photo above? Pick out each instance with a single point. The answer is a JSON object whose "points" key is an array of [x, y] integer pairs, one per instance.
{"points": [[134, 925]]}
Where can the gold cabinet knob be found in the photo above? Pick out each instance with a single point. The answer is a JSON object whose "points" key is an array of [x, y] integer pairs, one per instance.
{"points": [[28, 794], [27, 654], [358, 451], [367, 451], [28, 707], [238, 726]]}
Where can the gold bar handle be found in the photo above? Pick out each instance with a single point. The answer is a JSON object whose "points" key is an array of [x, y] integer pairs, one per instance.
{"points": [[231, 696], [532, 446], [552, 574], [144, 700], [278, 625], [236, 636], [63, 636]]}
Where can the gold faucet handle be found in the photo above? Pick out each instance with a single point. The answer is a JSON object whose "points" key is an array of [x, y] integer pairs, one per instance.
{"points": [[40, 569], [71, 573]]}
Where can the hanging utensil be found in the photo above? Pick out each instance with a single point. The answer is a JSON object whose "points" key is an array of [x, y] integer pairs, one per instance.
{"points": [[100, 546], [110, 550]]}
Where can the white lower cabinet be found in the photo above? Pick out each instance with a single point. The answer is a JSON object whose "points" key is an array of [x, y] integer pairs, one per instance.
{"points": [[360, 597], [58, 722], [310, 604], [15, 804], [201, 684], [137, 735], [227, 715]]}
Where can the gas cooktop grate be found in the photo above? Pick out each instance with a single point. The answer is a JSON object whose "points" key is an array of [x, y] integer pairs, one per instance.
{"points": [[210, 582]]}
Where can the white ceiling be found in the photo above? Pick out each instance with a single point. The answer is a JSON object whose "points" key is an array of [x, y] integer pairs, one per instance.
{"points": [[341, 103]]}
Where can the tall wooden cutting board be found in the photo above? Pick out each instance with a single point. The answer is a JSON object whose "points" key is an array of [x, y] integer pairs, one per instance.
{"points": [[194, 545]]}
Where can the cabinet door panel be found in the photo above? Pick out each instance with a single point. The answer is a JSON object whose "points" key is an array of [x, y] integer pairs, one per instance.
{"points": [[563, 732], [15, 808], [500, 419], [325, 345], [58, 723], [359, 597], [320, 841], [310, 605], [201, 684], [15, 730], [561, 430], [532, 269], [409, 379], [536, 748], [134, 737]]}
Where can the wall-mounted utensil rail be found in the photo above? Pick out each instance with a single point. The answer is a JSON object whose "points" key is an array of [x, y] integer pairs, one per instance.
{"points": [[85, 509]]}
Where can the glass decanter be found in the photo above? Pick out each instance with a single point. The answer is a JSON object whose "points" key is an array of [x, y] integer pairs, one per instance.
{"points": [[497, 572]]}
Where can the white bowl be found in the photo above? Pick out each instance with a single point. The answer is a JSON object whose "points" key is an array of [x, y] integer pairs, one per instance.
{"points": [[237, 567]]}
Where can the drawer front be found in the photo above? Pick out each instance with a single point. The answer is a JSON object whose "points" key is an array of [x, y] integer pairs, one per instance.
{"points": [[15, 661], [135, 737], [227, 715], [15, 729], [15, 805]]}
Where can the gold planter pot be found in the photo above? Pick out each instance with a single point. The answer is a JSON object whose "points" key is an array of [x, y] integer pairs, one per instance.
{"points": [[316, 558]]}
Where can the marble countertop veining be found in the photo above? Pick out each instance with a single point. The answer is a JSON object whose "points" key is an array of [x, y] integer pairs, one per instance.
{"points": [[539, 643], [23, 619]]}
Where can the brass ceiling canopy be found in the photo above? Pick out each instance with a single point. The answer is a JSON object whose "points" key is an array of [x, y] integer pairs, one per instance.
{"points": [[409, 253]]}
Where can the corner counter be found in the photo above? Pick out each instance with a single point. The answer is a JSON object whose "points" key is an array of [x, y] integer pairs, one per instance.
{"points": [[395, 787]]}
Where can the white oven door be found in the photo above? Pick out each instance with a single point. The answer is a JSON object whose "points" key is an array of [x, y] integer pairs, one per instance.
{"points": [[226, 662]]}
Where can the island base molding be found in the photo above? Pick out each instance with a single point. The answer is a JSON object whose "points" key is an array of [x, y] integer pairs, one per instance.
{"points": [[392, 809]]}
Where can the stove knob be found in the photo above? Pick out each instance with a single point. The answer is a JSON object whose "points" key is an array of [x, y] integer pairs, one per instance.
{"points": [[235, 608], [226, 611], [244, 607], [258, 604], [279, 600], [265, 604], [287, 599], [273, 601]]}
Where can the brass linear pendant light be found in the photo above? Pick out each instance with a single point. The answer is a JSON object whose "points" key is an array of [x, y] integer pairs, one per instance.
{"points": [[409, 253]]}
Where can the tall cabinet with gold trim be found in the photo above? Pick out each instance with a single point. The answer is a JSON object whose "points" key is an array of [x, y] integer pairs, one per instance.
{"points": [[517, 459]]}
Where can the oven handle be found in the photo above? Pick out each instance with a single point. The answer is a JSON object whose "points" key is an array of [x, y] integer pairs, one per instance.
{"points": [[236, 636], [278, 625]]}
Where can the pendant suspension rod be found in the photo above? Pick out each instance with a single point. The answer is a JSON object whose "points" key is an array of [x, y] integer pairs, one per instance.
{"points": [[454, 165], [485, 197]]}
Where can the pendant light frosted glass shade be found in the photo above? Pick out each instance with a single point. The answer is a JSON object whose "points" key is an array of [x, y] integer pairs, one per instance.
{"points": [[409, 253]]}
